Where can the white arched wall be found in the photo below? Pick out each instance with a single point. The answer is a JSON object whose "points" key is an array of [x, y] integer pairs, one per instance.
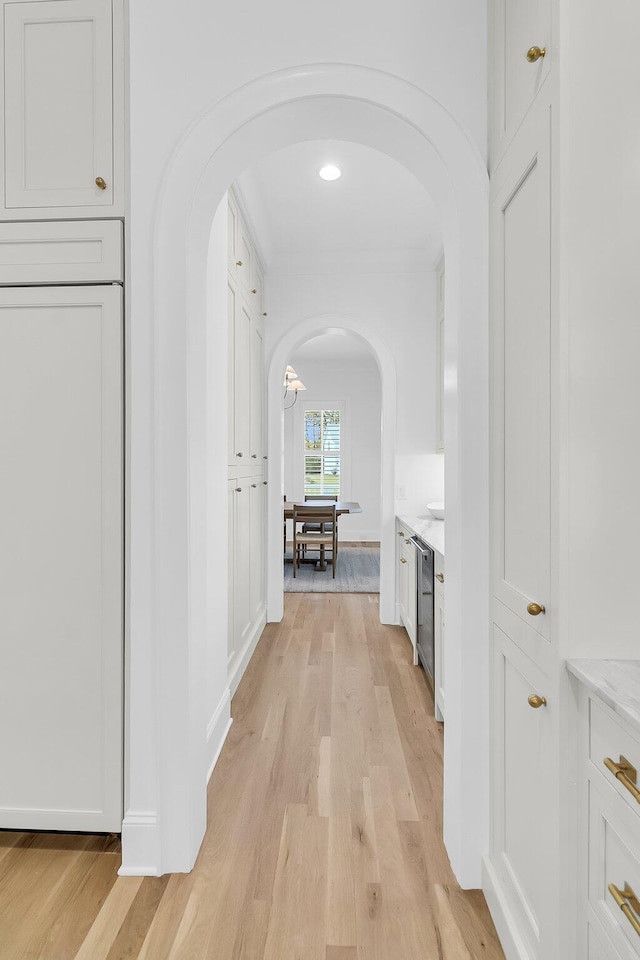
{"points": [[286, 346], [171, 589]]}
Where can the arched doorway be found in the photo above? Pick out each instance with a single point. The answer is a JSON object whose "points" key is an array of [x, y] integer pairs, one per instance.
{"points": [[166, 774], [305, 330]]}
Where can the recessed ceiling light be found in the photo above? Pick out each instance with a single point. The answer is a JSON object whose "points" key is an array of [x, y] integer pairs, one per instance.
{"points": [[330, 172]]}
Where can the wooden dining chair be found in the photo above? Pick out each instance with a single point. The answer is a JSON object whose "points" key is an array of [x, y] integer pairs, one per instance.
{"points": [[316, 527], [323, 539]]}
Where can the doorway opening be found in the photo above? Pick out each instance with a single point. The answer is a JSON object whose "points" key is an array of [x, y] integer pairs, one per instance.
{"points": [[175, 556]]}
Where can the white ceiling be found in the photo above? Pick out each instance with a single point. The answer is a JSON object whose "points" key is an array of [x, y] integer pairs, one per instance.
{"points": [[375, 207], [334, 347]]}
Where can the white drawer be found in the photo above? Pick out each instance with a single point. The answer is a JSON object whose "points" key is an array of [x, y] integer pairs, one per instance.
{"points": [[614, 858], [610, 739], [61, 252]]}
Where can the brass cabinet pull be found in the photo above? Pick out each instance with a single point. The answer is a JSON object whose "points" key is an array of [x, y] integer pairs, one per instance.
{"points": [[407, 541], [101, 183], [265, 482], [536, 701], [238, 489], [628, 903], [403, 560], [626, 773], [265, 457], [254, 456], [400, 533], [254, 485], [533, 609], [254, 291], [264, 314], [238, 454], [535, 53], [238, 263], [440, 577]]}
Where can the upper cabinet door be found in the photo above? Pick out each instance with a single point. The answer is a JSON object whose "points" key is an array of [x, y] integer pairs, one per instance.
{"points": [[59, 108], [517, 26], [521, 371]]}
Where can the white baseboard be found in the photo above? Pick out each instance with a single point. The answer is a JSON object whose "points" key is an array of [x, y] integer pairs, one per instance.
{"points": [[513, 943], [240, 664], [217, 730], [140, 845]]}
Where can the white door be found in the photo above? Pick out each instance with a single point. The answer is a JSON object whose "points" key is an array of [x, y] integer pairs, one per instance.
{"points": [[231, 392], [242, 383], [257, 396], [58, 98], [241, 567], [523, 794], [520, 313], [257, 501], [61, 558], [517, 26]]}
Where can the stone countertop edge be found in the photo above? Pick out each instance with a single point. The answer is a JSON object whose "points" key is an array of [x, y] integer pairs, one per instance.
{"points": [[427, 528], [615, 682]]}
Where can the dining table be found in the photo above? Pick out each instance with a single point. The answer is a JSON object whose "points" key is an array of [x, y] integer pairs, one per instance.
{"points": [[342, 506]]}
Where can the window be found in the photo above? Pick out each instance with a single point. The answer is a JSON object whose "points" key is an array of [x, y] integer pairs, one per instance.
{"points": [[321, 444]]}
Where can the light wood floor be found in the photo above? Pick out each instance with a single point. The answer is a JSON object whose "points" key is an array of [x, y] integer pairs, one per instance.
{"points": [[324, 825]]}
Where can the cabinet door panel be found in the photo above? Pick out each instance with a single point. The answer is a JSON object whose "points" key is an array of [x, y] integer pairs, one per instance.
{"points": [[521, 377], [231, 373], [257, 395], [242, 565], [517, 26], [257, 497], [58, 81], [61, 563], [522, 792], [242, 382]]}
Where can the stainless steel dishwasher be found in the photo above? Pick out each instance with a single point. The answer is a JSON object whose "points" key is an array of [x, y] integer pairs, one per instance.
{"points": [[425, 615]]}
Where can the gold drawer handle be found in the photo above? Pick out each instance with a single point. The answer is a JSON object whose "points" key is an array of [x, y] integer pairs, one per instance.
{"points": [[628, 903], [534, 609], [626, 773], [440, 577], [535, 53], [402, 560], [100, 182]]}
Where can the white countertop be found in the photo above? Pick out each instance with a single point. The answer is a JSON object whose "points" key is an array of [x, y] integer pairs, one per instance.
{"points": [[616, 682], [427, 528]]}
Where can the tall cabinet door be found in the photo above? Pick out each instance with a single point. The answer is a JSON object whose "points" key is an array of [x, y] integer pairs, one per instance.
{"points": [[257, 395], [61, 559], [521, 245], [58, 98]]}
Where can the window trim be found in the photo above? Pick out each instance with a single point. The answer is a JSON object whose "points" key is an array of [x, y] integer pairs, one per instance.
{"points": [[345, 451]]}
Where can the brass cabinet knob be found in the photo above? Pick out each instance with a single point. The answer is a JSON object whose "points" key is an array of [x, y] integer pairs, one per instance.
{"points": [[400, 533], [265, 482], [101, 183], [534, 609], [265, 456], [238, 263], [238, 489], [535, 53], [254, 485], [440, 577], [264, 314], [535, 701], [238, 454], [254, 291], [407, 541], [402, 560], [254, 456]]}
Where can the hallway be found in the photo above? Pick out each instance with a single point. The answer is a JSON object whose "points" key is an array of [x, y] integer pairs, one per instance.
{"points": [[324, 836]]}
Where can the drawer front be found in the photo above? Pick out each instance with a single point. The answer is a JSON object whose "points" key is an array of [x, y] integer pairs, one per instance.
{"points": [[71, 252], [614, 859], [611, 739]]}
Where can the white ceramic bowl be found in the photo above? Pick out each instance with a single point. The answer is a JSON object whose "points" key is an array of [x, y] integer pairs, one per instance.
{"points": [[436, 509]]}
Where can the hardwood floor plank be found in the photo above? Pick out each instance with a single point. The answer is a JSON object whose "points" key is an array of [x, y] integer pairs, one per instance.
{"points": [[324, 838]]}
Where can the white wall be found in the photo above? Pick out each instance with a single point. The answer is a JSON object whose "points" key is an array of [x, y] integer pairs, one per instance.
{"points": [[357, 385]]}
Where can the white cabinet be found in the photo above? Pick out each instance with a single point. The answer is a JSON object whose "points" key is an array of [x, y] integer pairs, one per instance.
{"points": [[609, 832], [440, 356], [520, 273], [438, 615], [61, 563], [516, 27], [246, 447], [62, 130]]}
